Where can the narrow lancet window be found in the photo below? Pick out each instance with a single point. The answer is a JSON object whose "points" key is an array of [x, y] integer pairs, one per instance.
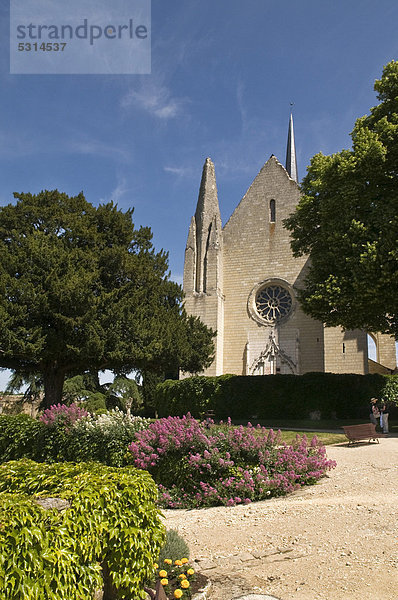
{"points": [[272, 211]]}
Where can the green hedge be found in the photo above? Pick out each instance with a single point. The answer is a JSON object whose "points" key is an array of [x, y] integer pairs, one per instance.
{"points": [[109, 535], [276, 396], [22, 436], [19, 437]]}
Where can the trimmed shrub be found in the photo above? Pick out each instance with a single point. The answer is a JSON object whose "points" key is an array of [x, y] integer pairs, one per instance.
{"points": [[109, 534], [196, 466], [343, 396], [193, 394], [66, 435]]}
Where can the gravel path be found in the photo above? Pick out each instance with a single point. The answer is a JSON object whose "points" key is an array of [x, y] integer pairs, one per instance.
{"points": [[332, 541]]}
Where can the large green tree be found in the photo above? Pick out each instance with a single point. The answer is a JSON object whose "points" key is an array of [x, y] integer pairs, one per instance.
{"points": [[347, 222], [81, 288]]}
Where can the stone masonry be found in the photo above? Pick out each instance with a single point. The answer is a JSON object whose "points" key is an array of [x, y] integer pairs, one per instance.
{"points": [[241, 280]]}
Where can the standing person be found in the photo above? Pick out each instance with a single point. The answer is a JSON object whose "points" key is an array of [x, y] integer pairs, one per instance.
{"points": [[384, 416], [374, 411]]}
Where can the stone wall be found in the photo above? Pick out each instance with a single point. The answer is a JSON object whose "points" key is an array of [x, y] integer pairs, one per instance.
{"points": [[14, 404]]}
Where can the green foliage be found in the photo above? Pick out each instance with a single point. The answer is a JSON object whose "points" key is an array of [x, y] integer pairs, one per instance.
{"points": [[19, 437], [390, 391], [95, 402], [124, 393], [82, 289], [193, 394], [347, 222], [110, 527], [79, 387], [265, 397], [174, 547], [32, 382], [102, 438], [151, 380]]}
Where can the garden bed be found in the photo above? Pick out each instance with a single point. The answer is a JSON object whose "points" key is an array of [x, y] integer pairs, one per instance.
{"points": [[196, 464]]}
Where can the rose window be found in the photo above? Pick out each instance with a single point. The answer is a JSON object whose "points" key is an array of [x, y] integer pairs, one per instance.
{"points": [[273, 303]]}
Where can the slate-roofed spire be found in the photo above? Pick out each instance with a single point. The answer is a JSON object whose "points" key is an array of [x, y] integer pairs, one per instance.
{"points": [[291, 162]]}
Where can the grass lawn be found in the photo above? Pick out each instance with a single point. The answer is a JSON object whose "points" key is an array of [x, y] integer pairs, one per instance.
{"points": [[289, 434], [327, 431], [323, 436]]}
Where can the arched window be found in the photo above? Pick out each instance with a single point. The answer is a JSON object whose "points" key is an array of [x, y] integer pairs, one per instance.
{"points": [[272, 211], [373, 353]]}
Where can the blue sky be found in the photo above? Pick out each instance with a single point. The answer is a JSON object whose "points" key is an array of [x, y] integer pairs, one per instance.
{"points": [[223, 75]]}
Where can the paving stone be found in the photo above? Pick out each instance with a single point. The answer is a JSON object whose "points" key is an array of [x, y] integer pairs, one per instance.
{"points": [[263, 553], [205, 565], [244, 556], [256, 597]]}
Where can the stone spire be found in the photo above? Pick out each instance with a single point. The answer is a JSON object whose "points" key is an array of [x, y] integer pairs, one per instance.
{"points": [[203, 267], [291, 162], [207, 205], [208, 223]]}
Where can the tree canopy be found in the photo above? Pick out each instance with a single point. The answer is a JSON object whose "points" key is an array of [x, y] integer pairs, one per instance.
{"points": [[81, 288], [347, 222]]}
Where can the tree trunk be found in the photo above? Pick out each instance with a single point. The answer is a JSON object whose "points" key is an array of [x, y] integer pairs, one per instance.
{"points": [[53, 385], [110, 592]]}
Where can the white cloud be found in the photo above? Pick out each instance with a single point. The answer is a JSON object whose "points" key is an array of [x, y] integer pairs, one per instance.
{"points": [[97, 148], [155, 99], [19, 144], [119, 191], [180, 171]]}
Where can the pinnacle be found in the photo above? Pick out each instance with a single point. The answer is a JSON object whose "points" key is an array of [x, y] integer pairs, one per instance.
{"points": [[291, 161], [208, 200]]}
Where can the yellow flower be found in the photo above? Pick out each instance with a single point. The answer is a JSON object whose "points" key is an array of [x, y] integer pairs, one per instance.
{"points": [[155, 565], [185, 584], [168, 561], [190, 572], [182, 576], [164, 581], [178, 563], [162, 573], [184, 561], [178, 593]]}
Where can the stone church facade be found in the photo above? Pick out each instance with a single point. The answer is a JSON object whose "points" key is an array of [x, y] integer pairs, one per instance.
{"points": [[241, 280]]}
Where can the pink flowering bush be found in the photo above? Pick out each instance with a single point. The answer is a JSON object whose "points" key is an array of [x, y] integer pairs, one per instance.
{"points": [[62, 414], [199, 466]]}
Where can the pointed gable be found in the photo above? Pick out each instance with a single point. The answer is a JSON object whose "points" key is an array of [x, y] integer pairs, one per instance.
{"points": [[272, 191]]}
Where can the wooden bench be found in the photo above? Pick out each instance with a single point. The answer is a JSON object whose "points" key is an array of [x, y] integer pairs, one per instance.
{"points": [[210, 414], [208, 418], [366, 431]]}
